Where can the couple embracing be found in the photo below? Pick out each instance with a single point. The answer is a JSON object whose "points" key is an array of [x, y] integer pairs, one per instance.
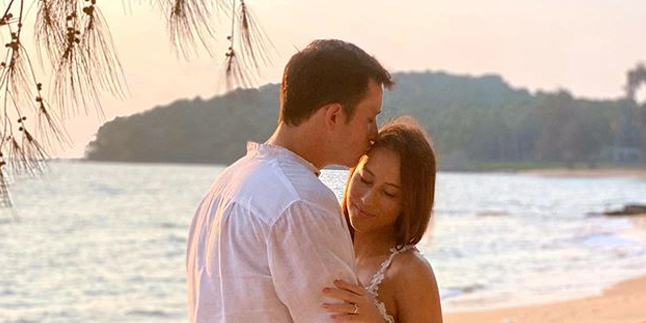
{"points": [[271, 243]]}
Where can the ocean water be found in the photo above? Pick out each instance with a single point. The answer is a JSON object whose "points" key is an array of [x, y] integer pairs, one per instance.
{"points": [[101, 242]]}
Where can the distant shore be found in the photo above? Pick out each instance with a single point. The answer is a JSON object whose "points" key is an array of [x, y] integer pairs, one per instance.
{"points": [[622, 303], [588, 172]]}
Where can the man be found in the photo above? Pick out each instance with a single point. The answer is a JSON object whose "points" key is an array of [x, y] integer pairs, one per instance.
{"points": [[269, 235]]}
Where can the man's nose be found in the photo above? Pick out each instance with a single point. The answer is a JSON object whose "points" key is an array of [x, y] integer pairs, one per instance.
{"points": [[373, 133]]}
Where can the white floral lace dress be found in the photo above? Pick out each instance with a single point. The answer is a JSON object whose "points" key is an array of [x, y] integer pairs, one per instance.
{"points": [[373, 288]]}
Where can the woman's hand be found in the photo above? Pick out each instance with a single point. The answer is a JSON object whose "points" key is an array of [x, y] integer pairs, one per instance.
{"points": [[358, 306]]}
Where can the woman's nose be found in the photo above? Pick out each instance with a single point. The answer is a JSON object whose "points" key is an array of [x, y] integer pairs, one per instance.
{"points": [[368, 197]]}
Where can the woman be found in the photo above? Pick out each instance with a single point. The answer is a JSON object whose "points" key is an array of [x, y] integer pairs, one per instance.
{"points": [[388, 202]]}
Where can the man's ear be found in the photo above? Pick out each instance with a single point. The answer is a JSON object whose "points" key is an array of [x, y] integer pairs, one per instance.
{"points": [[333, 114]]}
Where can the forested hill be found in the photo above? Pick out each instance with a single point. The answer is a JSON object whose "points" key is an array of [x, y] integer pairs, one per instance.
{"points": [[472, 120]]}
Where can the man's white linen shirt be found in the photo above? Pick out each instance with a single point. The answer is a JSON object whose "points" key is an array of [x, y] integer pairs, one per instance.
{"points": [[265, 240]]}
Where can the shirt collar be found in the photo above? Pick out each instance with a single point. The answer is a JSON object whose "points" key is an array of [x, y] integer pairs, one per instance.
{"points": [[280, 151]]}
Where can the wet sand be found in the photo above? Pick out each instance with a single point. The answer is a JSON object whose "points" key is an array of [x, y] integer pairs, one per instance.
{"points": [[622, 303]]}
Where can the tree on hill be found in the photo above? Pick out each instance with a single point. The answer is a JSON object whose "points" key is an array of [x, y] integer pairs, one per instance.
{"points": [[473, 121]]}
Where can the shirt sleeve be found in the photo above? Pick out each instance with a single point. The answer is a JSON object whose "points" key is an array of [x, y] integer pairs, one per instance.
{"points": [[309, 247]]}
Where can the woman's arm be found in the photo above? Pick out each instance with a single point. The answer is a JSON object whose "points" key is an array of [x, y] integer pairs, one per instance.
{"points": [[358, 305], [416, 295]]}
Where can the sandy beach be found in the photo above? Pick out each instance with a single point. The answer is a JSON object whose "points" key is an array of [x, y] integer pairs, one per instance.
{"points": [[622, 303]]}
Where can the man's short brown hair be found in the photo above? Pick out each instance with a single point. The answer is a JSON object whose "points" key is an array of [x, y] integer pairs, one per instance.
{"points": [[327, 71]]}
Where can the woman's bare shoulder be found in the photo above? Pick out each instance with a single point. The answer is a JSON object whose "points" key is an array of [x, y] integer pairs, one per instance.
{"points": [[411, 266], [416, 291], [412, 275]]}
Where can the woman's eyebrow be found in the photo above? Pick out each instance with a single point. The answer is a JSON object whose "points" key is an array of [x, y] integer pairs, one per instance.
{"points": [[393, 185], [373, 174]]}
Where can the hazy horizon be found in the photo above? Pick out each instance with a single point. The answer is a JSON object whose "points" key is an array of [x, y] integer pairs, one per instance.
{"points": [[585, 47]]}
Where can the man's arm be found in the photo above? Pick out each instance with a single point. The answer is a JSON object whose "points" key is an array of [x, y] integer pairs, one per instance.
{"points": [[309, 247]]}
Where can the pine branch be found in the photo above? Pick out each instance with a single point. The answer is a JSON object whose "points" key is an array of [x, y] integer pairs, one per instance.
{"points": [[73, 39]]}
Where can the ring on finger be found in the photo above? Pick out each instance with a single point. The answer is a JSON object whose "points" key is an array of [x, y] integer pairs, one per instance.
{"points": [[356, 308]]}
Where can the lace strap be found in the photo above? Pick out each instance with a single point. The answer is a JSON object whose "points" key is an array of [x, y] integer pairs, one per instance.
{"points": [[381, 273]]}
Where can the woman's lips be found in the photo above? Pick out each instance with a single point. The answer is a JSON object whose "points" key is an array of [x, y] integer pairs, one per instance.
{"points": [[364, 213]]}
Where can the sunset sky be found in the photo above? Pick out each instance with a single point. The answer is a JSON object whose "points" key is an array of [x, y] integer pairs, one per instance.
{"points": [[585, 46]]}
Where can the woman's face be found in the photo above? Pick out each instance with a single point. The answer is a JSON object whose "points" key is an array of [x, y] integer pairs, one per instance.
{"points": [[374, 196]]}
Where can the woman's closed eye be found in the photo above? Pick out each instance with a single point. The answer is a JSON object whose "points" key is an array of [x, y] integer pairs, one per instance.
{"points": [[364, 180], [390, 194]]}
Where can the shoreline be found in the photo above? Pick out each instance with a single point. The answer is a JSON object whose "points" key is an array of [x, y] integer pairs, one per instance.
{"points": [[592, 172], [624, 302]]}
